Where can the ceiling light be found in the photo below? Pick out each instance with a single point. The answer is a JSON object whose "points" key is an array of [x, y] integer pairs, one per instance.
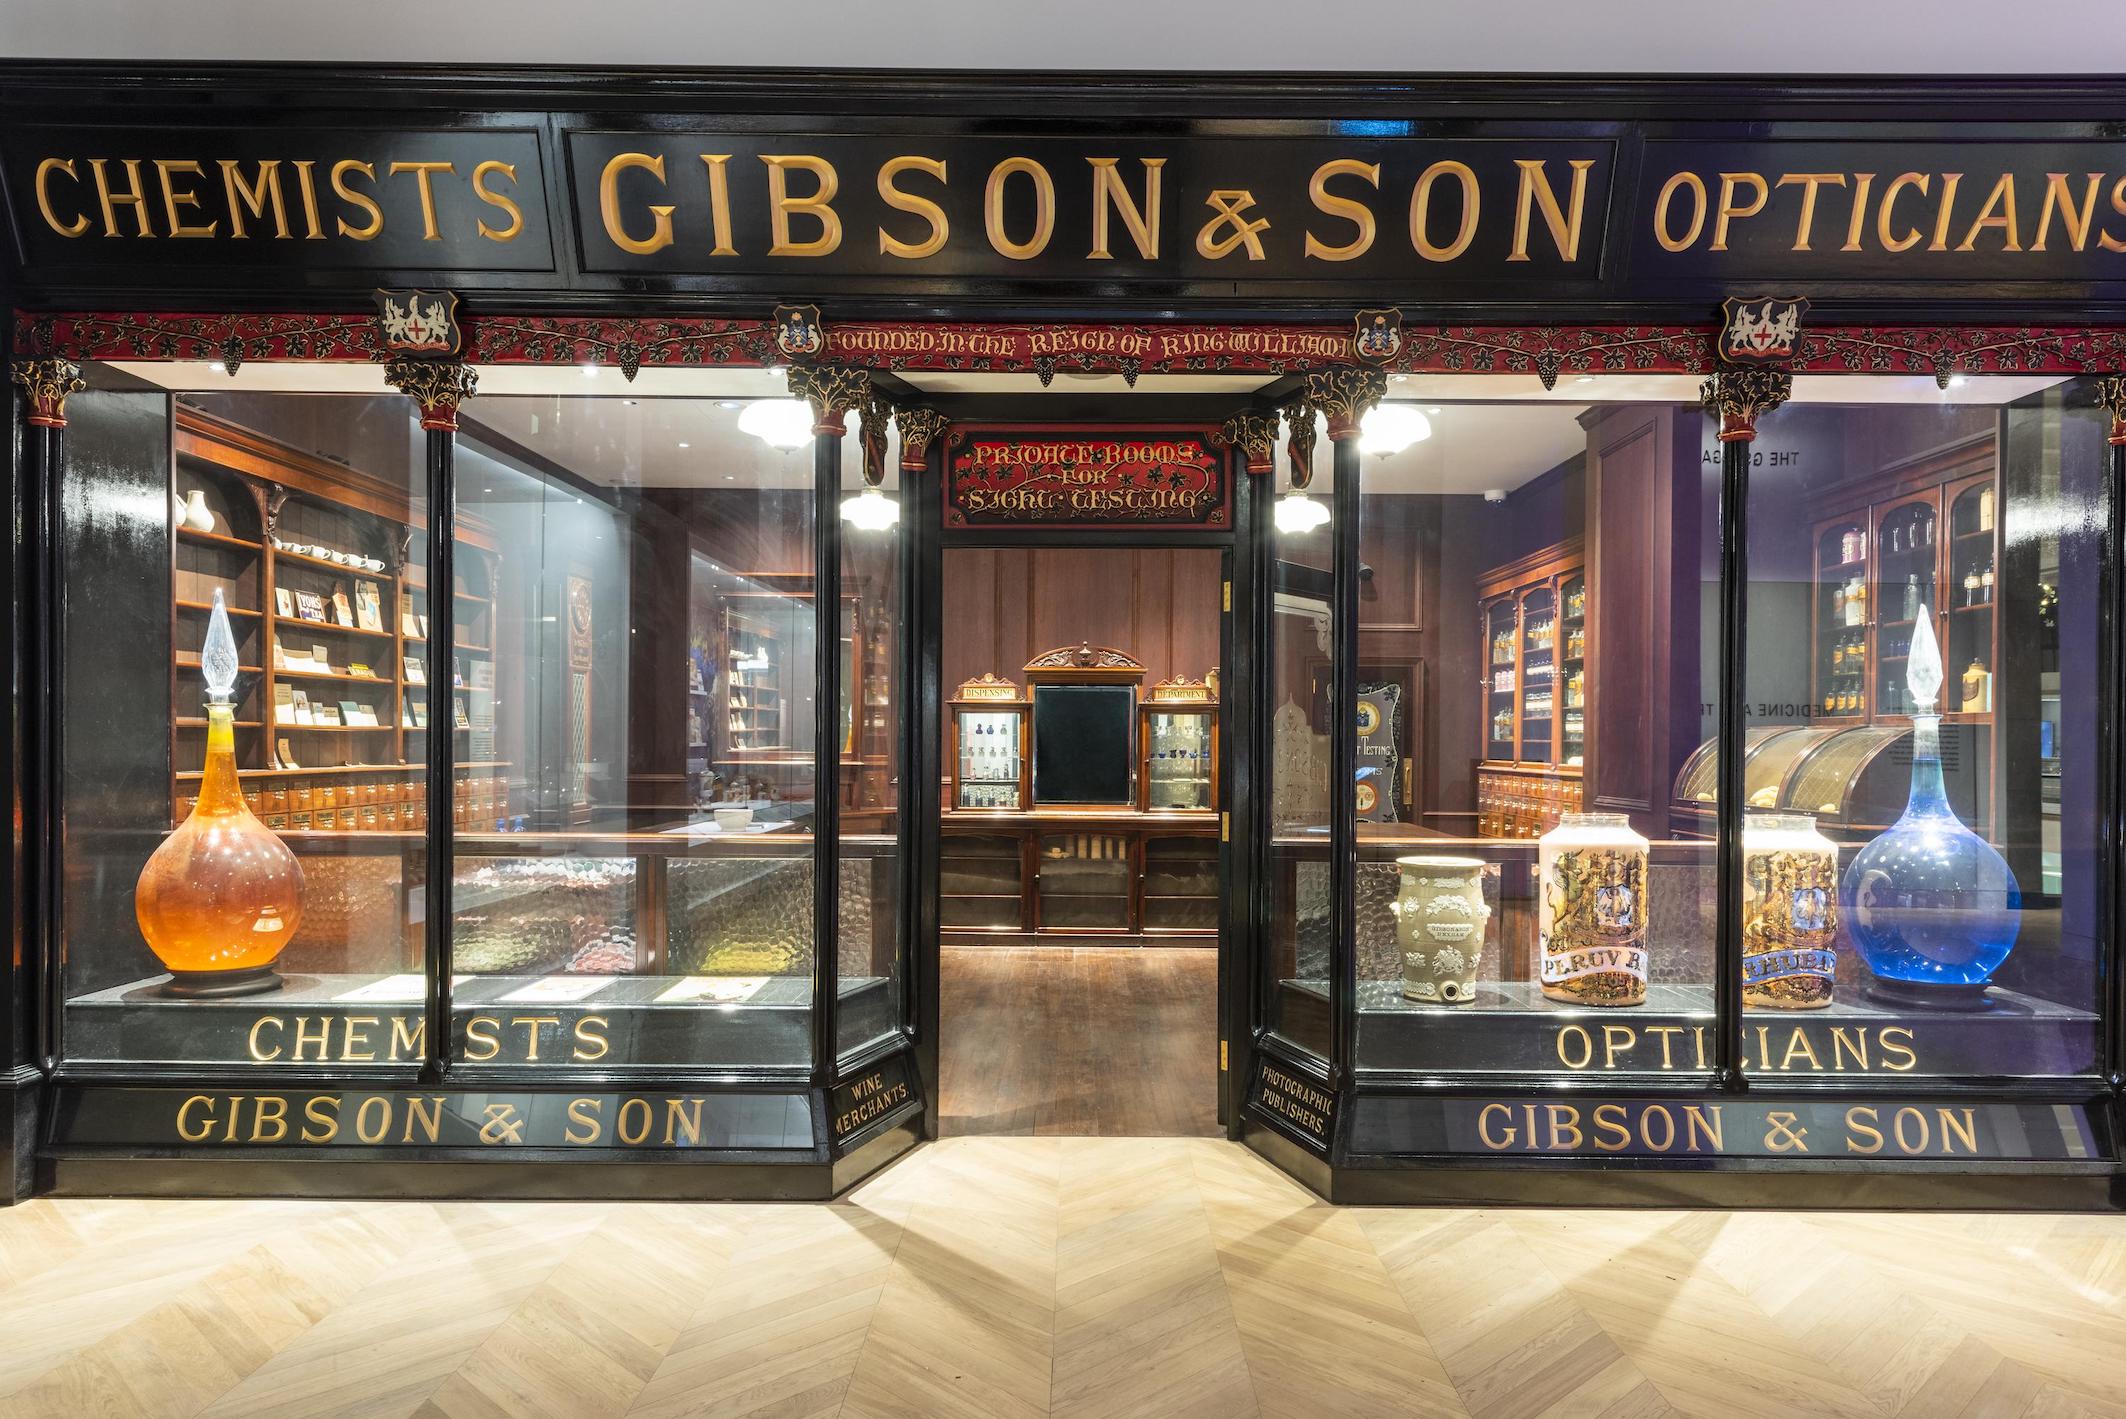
{"points": [[1583, 379], [779, 423], [1297, 512], [871, 511], [1432, 408], [684, 444], [1391, 428], [590, 371], [1958, 381]]}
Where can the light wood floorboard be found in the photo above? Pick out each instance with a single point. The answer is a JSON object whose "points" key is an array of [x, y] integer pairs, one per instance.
{"points": [[1080, 1278]]}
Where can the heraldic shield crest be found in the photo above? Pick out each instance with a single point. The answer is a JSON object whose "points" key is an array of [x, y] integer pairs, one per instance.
{"points": [[419, 322], [1377, 335], [798, 332], [1760, 329]]}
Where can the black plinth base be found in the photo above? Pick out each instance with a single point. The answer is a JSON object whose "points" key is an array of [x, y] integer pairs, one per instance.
{"points": [[222, 985], [1919, 995]]}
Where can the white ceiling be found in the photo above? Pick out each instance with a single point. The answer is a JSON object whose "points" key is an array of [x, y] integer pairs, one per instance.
{"points": [[1176, 37]]}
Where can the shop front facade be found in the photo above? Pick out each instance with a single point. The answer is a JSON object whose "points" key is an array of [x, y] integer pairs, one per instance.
{"points": [[495, 716]]}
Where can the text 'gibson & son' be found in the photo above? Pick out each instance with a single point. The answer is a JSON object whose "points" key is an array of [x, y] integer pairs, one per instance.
{"points": [[1050, 205]]}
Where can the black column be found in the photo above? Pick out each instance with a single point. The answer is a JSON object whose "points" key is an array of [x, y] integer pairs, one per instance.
{"points": [[1734, 609], [29, 1005], [826, 743], [2111, 730], [1343, 760], [439, 389]]}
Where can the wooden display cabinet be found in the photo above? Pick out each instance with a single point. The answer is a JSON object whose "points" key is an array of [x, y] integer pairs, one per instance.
{"points": [[1922, 532], [1177, 747], [312, 556], [990, 766], [1532, 617]]}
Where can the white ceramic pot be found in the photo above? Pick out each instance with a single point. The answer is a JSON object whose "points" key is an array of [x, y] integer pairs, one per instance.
{"points": [[197, 515], [733, 820], [1439, 922], [1591, 910]]}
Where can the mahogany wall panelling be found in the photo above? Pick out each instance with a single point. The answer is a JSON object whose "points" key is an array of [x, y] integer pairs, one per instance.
{"points": [[1642, 633]]}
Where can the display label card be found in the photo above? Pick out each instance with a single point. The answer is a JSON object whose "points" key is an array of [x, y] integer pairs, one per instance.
{"points": [[399, 989], [713, 990], [559, 990]]}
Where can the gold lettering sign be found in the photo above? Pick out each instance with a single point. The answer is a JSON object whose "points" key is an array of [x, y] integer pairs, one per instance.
{"points": [[1816, 1047]]}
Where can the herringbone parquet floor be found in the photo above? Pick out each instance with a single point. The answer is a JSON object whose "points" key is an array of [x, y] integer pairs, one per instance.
{"points": [[1096, 1278]]}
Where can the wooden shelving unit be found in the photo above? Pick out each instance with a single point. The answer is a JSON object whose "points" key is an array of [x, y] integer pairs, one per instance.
{"points": [[266, 499], [1533, 623]]}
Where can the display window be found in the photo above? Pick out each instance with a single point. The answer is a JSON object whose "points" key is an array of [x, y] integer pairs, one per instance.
{"points": [[1535, 663], [242, 794], [1922, 845], [628, 701], [1299, 929]]}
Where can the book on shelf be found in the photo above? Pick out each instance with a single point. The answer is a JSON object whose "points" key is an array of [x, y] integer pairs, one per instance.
{"points": [[309, 606], [420, 715], [457, 673], [361, 668], [287, 756], [284, 704], [280, 657], [422, 618], [326, 715], [416, 672], [342, 609], [302, 710], [408, 626], [284, 602], [354, 712], [368, 606], [459, 717]]}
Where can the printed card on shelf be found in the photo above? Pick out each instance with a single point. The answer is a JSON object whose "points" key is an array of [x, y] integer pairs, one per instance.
{"points": [[713, 990], [351, 712], [284, 704], [309, 606], [559, 990], [398, 989], [416, 672], [342, 608], [368, 606], [408, 626], [283, 601], [302, 708], [287, 756]]}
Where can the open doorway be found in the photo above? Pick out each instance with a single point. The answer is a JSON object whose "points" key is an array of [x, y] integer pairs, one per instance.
{"points": [[1080, 864]]}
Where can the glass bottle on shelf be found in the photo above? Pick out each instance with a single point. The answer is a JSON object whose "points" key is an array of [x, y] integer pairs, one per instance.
{"points": [[1856, 596], [1911, 606], [220, 897], [1932, 908]]}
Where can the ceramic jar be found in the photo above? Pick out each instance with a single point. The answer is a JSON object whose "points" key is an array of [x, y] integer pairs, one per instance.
{"points": [[1591, 911], [1789, 912], [1439, 923], [198, 516]]}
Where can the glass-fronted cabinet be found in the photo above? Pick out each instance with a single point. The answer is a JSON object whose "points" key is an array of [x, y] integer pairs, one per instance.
{"points": [[1177, 740], [990, 764]]}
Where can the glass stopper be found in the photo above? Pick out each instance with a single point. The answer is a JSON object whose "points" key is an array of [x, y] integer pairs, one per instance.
{"points": [[217, 659]]}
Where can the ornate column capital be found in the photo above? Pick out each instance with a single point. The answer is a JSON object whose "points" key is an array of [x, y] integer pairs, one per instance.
{"points": [[832, 391], [1743, 394], [1299, 441], [45, 384], [1344, 393], [1253, 432], [438, 386], [2111, 393], [919, 428]]}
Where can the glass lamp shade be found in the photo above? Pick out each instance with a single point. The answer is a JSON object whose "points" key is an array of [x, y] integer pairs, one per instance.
{"points": [[1298, 512], [779, 423], [223, 894], [1932, 908]]}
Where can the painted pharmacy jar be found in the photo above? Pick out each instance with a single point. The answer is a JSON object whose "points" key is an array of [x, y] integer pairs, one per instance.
{"points": [[1789, 912], [1591, 910], [1439, 922]]}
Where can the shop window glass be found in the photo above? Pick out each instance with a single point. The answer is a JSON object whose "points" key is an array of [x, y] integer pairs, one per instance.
{"points": [[869, 955], [1302, 641], [244, 856], [1538, 640], [631, 711], [1923, 844]]}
